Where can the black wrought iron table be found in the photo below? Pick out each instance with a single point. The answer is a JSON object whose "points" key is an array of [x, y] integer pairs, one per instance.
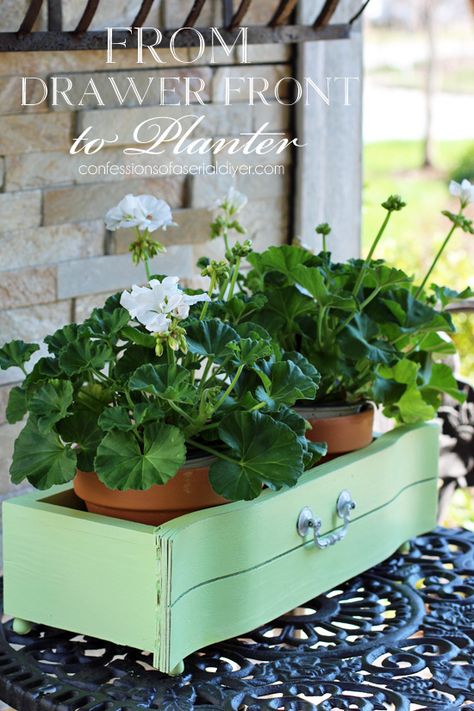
{"points": [[399, 637]]}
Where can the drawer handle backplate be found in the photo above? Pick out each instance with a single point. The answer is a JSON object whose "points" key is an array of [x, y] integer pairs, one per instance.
{"points": [[307, 520]]}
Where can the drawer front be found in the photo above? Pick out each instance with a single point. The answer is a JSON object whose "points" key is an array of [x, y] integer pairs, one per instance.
{"points": [[238, 566]]}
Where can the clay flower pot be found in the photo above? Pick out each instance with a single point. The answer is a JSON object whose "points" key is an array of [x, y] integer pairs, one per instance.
{"points": [[345, 428], [188, 491]]}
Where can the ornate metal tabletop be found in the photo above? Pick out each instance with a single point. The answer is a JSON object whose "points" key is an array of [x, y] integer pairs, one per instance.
{"points": [[399, 637]]}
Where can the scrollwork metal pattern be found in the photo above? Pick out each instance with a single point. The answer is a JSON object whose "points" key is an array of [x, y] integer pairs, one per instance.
{"points": [[399, 636]]}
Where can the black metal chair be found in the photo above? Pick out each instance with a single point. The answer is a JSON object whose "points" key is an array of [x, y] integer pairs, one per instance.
{"points": [[457, 441]]}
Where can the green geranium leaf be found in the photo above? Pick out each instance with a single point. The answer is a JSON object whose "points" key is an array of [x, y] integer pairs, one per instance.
{"points": [[83, 355], [16, 354], [415, 316], [83, 431], [359, 340], [248, 351], [210, 338], [404, 372], [94, 397], [41, 458], [248, 329], [103, 323], [442, 381], [240, 306], [285, 307], [385, 277], [138, 337], [145, 412], [260, 451], [303, 364], [44, 369], [62, 337], [166, 382], [446, 296], [313, 281], [284, 259], [412, 407], [115, 418], [51, 403], [132, 358], [287, 384], [121, 463], [17, 405], [435, 343], [313, 451]]}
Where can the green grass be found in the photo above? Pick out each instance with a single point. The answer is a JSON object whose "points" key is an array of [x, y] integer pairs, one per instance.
{"points": [[452, 77]]}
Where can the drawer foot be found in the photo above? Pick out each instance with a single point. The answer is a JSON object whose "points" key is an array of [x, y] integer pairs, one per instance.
{"points": [[22, 626], [177, 670], [405, 548]]}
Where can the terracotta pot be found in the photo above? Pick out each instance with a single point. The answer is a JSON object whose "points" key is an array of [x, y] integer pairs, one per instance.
{"points": [[344, 428], [188, 491]]}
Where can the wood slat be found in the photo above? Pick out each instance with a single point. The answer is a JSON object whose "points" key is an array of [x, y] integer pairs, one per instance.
{"points": [[227, 12], [71, 41], [240, 14], [324, 17], [87, 16], [30, 17], [194, 13], [55, 15], [142, 13], [283, 12], [358, 14]]}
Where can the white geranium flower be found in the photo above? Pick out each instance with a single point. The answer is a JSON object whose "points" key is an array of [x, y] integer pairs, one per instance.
{"points": [[155, 214], [234, 201], [125, 214], [464, 191], [156, 305], [142, 211]]}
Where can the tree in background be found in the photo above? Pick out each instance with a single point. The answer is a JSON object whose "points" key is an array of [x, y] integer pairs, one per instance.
{"points": [[430, 9]]}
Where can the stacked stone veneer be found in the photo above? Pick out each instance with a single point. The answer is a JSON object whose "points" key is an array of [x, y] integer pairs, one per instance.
{"points": [[57, 261]]}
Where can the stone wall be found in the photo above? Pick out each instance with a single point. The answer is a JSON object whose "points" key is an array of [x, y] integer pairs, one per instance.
{"points": [[57, 261]]}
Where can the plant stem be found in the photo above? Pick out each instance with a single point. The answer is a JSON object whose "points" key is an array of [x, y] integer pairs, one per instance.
{"points": [[205, 307], [207, 368], [436, 259], [361, 276], [257, 407], [211, 450], [322, 311], [363, 305], [230, 388], [181, 412], [324, 244], [226, 242], [235, 274], [147, 269], [131, 404]]}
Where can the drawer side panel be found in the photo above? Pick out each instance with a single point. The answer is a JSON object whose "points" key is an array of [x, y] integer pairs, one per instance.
{"points": [[70, 571]]}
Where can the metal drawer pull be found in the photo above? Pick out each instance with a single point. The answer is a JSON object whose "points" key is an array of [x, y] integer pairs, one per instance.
{"points": [[307, 520]]}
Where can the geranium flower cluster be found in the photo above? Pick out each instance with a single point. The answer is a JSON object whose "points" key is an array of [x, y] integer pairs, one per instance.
{"points": [[156, 306]]}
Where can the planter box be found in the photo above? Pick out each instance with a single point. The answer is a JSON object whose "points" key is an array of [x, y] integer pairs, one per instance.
{"points": [[217, 573]]}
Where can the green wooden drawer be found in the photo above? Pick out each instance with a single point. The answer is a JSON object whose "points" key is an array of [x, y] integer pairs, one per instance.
{"points": [[218, 573]]}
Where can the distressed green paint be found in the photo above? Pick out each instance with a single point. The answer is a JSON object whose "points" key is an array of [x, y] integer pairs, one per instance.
{"points": [[74, 570], [216, 573], [231, 606]]}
